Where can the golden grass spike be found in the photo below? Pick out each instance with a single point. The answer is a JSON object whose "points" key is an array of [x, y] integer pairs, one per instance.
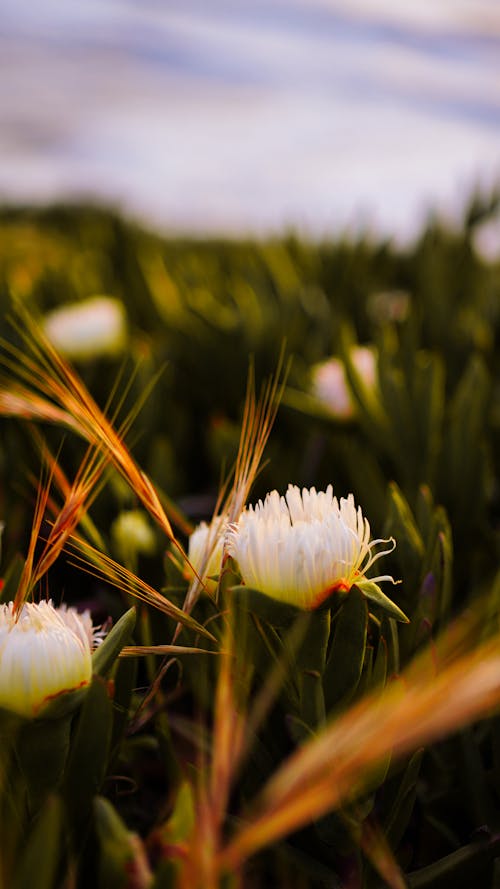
{"points": [[17, 401], [379, 853], [27, 582], [100, 565], [331, 769], [257, 422], [196, 585], [64, 486], [228, 731], [49, 374], [215, 774], [173, 650], [258, 419], [78, 498]]}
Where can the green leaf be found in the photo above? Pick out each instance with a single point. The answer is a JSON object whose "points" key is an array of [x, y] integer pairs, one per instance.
{"points": [[182, 820], [64, 704], [106, 654], [42, 749], [122, 859], [459, 870], [311, 654], [429, 396], [424, 511], [476, 780], [370, 408], [88, 754], [274, 612], [400, 810], [308, 404], [124, 683], [302, 667], [442, 563], [379, 674], [41, 855], [463, 470], [345, 661], [389, 631], [402, 526], [373, 592]]}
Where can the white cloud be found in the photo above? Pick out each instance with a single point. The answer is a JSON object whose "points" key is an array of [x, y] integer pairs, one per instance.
{"points": [[232, 118]]}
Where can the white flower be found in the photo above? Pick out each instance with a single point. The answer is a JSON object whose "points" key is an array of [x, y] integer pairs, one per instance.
{"points": [[330, 385], [44, 652], [88, 329], [206, 550], [305, 546]]}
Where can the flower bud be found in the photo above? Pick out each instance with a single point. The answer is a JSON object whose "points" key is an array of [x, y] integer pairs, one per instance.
{"points": [[132, 534], [205, 552]]}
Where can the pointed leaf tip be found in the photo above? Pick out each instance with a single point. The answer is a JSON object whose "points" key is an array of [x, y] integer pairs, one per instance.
{"points": [[105, 656], [373, 592]]}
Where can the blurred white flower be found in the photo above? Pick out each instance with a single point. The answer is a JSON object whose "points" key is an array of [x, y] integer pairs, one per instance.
{"points": [[486, 238], [132, 533], [44, 652], [205, 552], [330, 385], [88, 329], [305, 546]]}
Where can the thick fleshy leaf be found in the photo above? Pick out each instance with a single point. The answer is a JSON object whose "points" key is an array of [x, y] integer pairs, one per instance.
{"points": [[347, 651], [41, 856], [401, 805], [122, 860], [410, 550], [124, 682], [42, 749], [278, 614], [105, 655], [373, 592], [88, 754], [460, 869], [311, 406]]}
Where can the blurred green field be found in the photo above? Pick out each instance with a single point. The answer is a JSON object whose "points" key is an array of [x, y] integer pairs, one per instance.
{"points": [[420, 451]]}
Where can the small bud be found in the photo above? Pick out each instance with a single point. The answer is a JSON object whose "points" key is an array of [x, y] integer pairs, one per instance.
{"points": [[132, 534], [205, 552]]}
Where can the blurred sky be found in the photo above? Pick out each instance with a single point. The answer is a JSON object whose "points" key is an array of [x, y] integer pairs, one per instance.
{"points": [[252, 115]]}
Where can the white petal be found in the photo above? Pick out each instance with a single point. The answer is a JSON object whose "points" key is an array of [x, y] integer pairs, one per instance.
{"points": [[299, 547], [44, 652]]}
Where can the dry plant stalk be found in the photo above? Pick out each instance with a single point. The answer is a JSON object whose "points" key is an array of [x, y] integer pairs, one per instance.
{"points": [[19, 401], [52, 390], [173, 650], [259, 415], [258, 419], [104, 567], [199, 866], [77, 498]]}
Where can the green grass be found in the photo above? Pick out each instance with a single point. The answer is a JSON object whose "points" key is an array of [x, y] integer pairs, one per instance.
{"points": [[421, 455]]}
